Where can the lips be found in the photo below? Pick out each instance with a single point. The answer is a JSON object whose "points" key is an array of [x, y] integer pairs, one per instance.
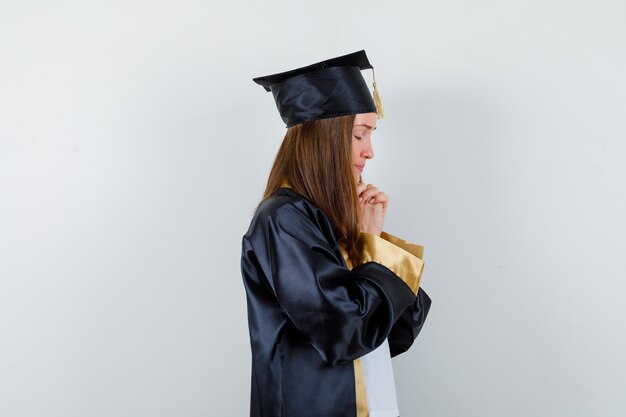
{"points": [[360, 167]]}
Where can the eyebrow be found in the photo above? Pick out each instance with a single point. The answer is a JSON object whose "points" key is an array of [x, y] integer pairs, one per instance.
{"points": [[367, 126]]}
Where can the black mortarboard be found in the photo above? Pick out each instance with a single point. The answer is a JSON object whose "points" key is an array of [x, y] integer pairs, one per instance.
{"points": [[330, 88]]}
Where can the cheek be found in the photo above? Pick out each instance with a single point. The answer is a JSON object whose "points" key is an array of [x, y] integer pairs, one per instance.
{"points": [[356, 149]]}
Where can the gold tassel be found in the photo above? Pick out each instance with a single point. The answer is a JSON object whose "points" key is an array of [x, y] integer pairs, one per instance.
{"points": [[379, 104]]}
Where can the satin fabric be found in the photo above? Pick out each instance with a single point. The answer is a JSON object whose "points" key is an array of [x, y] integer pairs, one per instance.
{"points": [[310, 316], [329, 92], [331, 88]]}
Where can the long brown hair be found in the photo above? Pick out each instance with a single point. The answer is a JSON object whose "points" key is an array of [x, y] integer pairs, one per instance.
{"points": [[315, 160]]}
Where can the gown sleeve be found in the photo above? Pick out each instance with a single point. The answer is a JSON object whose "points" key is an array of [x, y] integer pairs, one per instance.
{"points": [[343, 313], [411, 321]]}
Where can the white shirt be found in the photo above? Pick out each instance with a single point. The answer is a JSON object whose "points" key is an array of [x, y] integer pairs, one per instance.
{"points": [[379, 383]]}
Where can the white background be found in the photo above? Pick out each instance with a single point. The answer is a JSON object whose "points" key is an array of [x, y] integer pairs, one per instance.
{"points": [[134, 147]]}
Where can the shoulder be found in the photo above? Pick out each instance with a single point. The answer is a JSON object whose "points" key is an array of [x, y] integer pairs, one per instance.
{"points": [[284, 203], [282, 200], [286, 210]]}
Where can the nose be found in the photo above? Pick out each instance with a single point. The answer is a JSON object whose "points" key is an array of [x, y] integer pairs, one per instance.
{"points": [[367, 152]]}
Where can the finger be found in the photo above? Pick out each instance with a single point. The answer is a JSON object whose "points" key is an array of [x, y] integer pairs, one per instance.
{"points": [[382, 198], [369, 199], [370, 193], [377, 210], [367, 195], [362, 186]]}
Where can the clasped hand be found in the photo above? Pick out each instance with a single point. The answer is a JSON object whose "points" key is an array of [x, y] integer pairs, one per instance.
{"points": [[373, 207]]}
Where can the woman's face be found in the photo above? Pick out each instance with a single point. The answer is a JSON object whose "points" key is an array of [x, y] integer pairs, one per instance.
{"points": [[364, 125]]}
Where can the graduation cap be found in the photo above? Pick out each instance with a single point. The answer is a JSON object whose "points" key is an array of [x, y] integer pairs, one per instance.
{"points": [[330, 88]]}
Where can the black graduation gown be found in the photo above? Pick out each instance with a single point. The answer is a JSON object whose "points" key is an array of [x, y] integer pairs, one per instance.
{"points": [[310, 316]]}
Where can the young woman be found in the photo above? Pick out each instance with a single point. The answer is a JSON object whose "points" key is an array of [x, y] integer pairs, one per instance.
{"points": [[331, 297]]}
